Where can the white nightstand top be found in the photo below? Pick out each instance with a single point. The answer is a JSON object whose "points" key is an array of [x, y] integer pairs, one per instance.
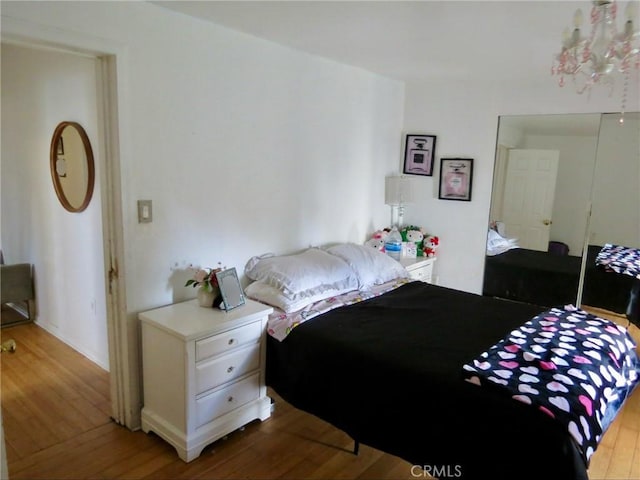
{"points": [[417, 261], [188, 320]]}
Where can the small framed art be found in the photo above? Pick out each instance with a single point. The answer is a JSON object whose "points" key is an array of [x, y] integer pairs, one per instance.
{"points": [[232, 294], [456, 175], [419, 152]]}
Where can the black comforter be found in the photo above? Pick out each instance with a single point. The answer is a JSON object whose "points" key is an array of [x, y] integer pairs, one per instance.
{"points": [[388, 372], [550, 280]]}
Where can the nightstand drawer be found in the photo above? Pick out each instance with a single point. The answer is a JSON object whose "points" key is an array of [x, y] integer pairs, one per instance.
{"points": [[422, 274], [218, 344], [213, 373], [227, 399]]}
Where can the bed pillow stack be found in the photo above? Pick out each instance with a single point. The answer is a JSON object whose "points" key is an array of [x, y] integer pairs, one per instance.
{"points": [[291, 282]]}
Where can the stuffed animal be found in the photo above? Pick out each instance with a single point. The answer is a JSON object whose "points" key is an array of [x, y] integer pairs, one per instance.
{"points": [[413, 234], [417, 237], [405, 230], [377, 240], [430, 245], [377, 243]]}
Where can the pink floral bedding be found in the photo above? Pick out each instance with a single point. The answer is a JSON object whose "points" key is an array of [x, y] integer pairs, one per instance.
{"points": [[280, 323]]}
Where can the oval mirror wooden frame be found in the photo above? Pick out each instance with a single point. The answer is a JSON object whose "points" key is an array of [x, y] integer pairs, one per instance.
{"points": [[55, 176]]}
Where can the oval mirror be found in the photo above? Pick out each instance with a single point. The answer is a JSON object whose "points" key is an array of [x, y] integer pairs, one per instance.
{"points": [[72, 169]]}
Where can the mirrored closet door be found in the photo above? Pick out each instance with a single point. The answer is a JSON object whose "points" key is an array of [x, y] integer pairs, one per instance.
{"points": [[615, 213], [558, 196]]}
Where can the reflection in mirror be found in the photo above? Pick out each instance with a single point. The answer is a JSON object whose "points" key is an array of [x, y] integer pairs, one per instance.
{"points": [[615, 216], [232, 294], [545, 234], [539, 209], [72, 167]]}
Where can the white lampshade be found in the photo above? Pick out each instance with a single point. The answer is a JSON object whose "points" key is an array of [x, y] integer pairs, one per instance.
{"points": [[398, 190]]}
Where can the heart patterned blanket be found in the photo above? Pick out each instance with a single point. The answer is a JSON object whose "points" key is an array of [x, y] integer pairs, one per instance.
{"points": [[620, 259], [571, 365]]}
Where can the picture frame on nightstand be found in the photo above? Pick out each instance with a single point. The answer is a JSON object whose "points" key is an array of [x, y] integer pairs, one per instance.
{"points": [[230, 289]]}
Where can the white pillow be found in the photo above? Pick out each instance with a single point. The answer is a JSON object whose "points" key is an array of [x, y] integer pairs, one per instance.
{"points": [[497, 244], [265, 293], [303, 275], [372, 266]]}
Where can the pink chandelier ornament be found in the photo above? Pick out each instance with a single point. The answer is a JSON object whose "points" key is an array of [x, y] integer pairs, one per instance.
{"points": [[602, 55]]}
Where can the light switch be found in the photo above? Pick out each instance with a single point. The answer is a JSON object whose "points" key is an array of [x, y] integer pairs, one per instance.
{"points": [[145, 214]]}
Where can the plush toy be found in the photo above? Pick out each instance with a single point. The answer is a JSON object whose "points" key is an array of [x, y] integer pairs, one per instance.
{"points": [[430, 245], [377, 240], [417, 237], [377, 243], [413, 234]]}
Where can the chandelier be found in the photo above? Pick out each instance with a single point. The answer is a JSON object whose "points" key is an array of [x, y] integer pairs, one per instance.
{"points": [[604, 53]]}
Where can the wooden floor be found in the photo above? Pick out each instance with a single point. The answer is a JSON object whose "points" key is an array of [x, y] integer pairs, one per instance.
{"points": [[55, 410]]}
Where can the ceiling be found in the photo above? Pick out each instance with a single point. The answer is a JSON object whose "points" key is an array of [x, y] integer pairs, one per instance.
{"points": [[417, 40], [406, 40]]}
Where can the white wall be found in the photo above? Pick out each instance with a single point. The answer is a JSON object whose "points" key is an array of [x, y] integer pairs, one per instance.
{"points": [[463, 114], [243, 146], [40, 89]]}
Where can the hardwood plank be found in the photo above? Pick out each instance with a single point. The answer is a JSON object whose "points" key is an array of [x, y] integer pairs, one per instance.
{"points": [[389, 467], [600, 462], [128, 463], [60, 452], [622, 454], [634, 473], [25, 436]]}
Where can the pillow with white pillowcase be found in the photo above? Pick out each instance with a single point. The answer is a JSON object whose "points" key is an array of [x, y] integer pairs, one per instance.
{"points": [[372, 266], [309, 274]]}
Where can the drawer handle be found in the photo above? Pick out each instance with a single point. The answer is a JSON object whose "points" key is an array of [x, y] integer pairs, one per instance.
{"points": [[231, 340], [230, 369], [230, 399]]}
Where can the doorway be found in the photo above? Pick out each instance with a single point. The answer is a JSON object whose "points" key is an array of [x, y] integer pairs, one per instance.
{"points": [[40, 89], [106, 241]]}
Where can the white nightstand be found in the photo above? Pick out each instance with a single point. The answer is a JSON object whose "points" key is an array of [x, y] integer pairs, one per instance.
{"points": [[203, 372], [419, 268]]}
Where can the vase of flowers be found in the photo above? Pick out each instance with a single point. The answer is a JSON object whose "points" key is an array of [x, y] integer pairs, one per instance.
{"points": [[207, 283]]}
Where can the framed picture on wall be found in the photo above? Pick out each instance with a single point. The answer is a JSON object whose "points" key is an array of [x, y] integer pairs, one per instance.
{"points": [[456, 176], [419, 152]]}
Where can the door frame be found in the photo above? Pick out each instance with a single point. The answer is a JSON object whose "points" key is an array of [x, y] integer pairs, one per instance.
{"points": [[112, 70]]}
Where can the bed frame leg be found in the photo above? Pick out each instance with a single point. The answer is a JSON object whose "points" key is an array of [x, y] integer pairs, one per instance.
{"points": [[356, 447]]}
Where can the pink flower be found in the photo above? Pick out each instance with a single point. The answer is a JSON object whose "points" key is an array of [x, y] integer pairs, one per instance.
{"points": [[200, 275], [205, 278]]}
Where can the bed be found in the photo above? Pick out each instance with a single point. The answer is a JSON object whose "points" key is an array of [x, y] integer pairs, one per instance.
{"points": [[548, 279], [391, 362], [622, 264]]}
